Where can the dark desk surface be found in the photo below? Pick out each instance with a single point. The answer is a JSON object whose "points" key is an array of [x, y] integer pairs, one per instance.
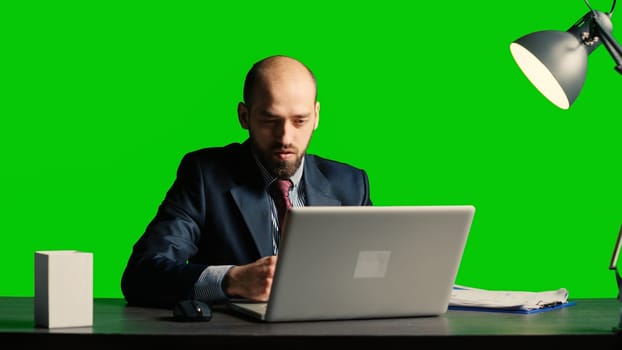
{"points": [[590, 321]]}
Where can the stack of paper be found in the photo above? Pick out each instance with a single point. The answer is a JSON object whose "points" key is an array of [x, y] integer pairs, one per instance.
{"points": [[467, 297]]}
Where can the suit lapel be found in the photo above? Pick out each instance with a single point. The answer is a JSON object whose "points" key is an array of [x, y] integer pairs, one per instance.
{"points": [[317, 187], [251, 199], [252, 204]]}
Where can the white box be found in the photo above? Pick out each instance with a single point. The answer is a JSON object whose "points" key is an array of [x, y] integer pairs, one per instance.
{"points": [[63, 289]]}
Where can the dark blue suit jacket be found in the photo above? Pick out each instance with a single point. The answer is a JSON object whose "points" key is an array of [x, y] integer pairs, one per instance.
{"points": [[215, 213]]}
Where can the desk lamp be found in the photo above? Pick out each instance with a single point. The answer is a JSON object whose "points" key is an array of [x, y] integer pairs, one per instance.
{"points": [[556, 62]]}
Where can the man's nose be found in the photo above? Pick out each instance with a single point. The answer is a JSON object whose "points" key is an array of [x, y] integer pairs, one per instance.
{"points": [[285, 132]]}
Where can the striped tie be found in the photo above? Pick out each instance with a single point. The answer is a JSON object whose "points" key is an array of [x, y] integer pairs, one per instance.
{"points": [[280, 193]]}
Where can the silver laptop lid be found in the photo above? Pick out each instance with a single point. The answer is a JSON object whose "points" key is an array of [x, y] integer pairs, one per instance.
{"points": [[368, 262]]}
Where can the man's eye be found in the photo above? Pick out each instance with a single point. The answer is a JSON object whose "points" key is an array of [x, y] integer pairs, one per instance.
{"points": [[268, 121], [300, 122]]}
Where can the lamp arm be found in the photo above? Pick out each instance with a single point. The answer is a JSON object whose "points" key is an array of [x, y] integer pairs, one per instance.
{"points": [[611, 44]]}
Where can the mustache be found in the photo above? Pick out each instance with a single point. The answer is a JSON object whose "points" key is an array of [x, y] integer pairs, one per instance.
{"points": [[284, 148]]}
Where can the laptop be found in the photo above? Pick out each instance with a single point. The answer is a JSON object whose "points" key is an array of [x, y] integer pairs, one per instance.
{"points": [[364, 262]]}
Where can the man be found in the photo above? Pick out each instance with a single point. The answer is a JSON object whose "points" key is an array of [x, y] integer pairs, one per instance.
{"points": [[215, 235]]}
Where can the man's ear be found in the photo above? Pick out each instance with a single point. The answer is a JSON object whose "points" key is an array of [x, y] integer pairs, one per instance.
{"points": [[317, 115], [243, 115]]}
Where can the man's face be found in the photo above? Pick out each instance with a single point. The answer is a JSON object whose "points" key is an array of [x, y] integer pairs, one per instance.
{"points": [[281, 121]]}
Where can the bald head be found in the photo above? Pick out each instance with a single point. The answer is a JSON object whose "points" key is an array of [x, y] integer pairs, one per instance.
{"points": [[275, 69]]}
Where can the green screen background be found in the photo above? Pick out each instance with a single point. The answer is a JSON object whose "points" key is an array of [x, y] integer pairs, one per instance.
{"points": [[100, 100]]}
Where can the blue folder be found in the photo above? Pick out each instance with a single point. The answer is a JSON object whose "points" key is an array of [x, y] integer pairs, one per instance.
{"points": [[514, 311]]}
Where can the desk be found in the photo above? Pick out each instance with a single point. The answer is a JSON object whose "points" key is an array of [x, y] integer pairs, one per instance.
{"points": [[590, 322]]}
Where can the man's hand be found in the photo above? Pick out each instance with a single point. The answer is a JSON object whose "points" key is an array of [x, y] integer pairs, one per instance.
{"points": [[252, 281]]}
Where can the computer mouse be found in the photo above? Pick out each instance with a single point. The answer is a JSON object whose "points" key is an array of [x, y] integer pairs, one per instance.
{"points": [[192, 310]]}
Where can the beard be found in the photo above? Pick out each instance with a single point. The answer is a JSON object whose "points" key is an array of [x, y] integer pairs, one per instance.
{"points": [[282, 169]]}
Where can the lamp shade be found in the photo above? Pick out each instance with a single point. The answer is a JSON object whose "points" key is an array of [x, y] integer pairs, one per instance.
{"points": [[555, 62]]}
